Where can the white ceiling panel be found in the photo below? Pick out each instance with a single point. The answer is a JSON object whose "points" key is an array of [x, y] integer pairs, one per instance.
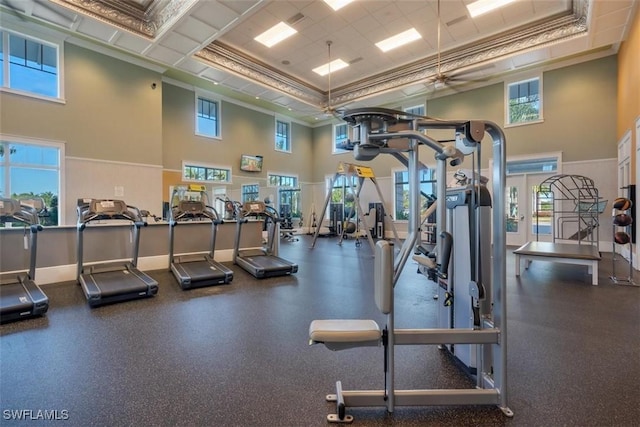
{"points": [[608, 6], [239, 6], [179, 43], [53, 14], [192, 66], [414, 89], [616, 18], [518, 11], [131, 42], [567, 48], [214, 14], [233, 81], [609, 36], [97, 30], [164, 55], [213, 74], [252, 89], [531, 57], [195, 29], [354, 30], [270, 95]]}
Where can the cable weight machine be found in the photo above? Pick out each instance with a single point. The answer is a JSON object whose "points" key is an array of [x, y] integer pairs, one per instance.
{"points": [[384, 131]]}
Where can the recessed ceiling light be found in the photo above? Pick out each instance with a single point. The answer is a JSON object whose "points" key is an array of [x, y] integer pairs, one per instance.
{"points": [[275, 34], [337, 4], [483, 6], [399, 40], [335, 65]]}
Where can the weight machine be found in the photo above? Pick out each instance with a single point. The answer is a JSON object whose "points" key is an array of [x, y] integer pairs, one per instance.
{"points": [[477, 293], [350, 171]]}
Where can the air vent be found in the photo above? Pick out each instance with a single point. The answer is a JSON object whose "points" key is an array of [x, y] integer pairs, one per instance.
{"points": [[456, 21], [353, 61], [295, 19]]}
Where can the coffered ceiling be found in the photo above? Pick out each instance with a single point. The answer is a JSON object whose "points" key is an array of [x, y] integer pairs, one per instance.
{"points": [[213, 40]]}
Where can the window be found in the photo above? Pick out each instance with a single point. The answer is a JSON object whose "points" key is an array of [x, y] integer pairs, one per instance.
{"points": [[30, 65], [418, 110], [524, 102], [290, 202], [32, 170], [250, 192], [275, 180], [207, 117], [532, 165], [206, 173], [401, 191], [342, 196], [340, 138], [283, 136]]}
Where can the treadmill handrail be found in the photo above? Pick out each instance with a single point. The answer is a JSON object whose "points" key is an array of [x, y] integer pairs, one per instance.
{"points": [[109, 209], [199, 210], [11, 210]]}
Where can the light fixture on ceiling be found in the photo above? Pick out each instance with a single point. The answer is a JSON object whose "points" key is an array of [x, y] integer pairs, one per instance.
{"points": [[479, 7], [275, 34], [330, 66], [337, 4], [399, 40]]}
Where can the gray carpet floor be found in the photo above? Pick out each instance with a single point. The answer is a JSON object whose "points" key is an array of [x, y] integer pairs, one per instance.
{"points": [[238, 354]]}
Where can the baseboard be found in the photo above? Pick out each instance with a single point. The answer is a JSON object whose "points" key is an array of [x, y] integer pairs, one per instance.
{"points": [[59, 273]]}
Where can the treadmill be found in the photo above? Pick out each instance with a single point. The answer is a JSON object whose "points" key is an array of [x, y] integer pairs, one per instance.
{"points": [[20, 297], [261, 263], [109, 282], [196, 270]]}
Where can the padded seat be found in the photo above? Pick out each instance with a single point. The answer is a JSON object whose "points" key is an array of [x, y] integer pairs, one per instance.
{"points": [[425, 261], [338, 334]]}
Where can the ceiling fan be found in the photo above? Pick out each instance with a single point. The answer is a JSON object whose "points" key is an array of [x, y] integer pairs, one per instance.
{"points": [[441, 80], [326, 107], [328, 110]]}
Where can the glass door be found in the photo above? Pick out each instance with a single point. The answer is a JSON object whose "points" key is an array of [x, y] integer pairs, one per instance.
{"points": [[540, 214], [516, 209], [529, 214]]}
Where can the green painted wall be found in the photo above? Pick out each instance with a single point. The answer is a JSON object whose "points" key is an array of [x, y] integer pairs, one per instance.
{"points": [[579, 112], [579, 119], [111, 112], [243, 131]]}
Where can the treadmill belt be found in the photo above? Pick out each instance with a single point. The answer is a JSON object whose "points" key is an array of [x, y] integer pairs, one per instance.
{"points": [[14, 298], [198, 270], [268, 262], [111, 283]]}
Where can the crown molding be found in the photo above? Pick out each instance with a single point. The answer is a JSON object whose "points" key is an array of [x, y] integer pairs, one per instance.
{"points": [[562, 28]]}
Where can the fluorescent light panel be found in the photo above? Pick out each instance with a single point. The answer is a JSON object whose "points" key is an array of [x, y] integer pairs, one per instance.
{"points": [[335, 65], [483, 6], [399, 40], [337, 4], [275, 34]]}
